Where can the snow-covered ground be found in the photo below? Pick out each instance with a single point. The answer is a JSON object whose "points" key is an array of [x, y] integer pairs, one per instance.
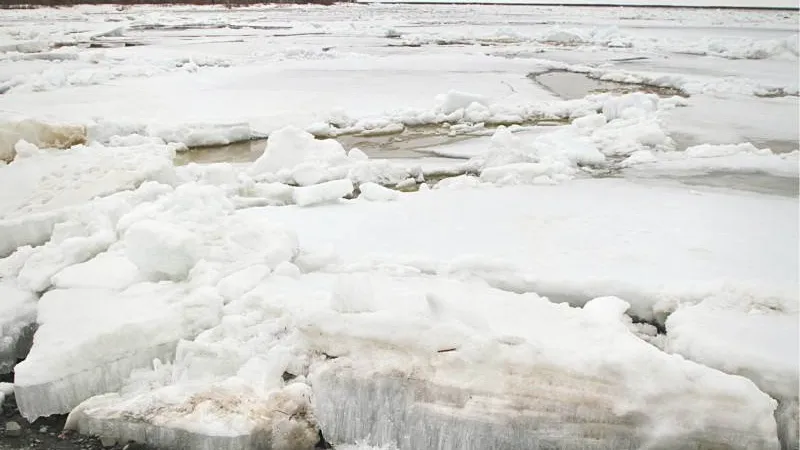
{"points": [[433, 248]]}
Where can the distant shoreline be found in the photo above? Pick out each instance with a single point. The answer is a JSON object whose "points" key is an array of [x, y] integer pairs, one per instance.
{"points": [[26, 4], [597, 5]]}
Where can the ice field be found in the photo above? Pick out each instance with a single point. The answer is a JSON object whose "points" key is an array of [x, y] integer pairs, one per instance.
{"points": [[402, 227]]}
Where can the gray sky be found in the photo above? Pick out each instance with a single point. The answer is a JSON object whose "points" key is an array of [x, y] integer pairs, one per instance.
{"points": [[740, 3]]}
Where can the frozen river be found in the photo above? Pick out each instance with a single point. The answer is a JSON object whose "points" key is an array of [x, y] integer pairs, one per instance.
{"points": [[412, 227]]}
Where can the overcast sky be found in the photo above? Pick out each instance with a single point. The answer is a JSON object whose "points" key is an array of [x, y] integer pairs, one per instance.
{"points": [[739, 3]]}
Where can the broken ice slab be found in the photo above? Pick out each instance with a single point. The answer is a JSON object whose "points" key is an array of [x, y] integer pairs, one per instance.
{"points": [[425, 362], [230, 416], [89, 341], [523, 409], [754, 338], [547, 376], [17, 321]]}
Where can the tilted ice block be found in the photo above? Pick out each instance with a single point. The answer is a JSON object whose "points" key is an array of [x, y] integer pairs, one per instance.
{"points": [[213, 417], [495, 370], [377, 193], [323, 192], [89, 340], [756, 339], [289, 147], [62, 392], [52, 181], [33, 229], [72, 242], [17, 319]]}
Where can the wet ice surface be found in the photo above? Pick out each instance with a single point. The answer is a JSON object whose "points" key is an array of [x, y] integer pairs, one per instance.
{"points": [[761, 183], [571, 85], [513, 258]]}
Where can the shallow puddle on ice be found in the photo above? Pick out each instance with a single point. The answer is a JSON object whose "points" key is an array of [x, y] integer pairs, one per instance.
{"points": [[238, 152], [410, 143], [572, 85]]}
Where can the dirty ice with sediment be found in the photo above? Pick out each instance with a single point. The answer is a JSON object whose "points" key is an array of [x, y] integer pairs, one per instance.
{"points": [[402, 227]]}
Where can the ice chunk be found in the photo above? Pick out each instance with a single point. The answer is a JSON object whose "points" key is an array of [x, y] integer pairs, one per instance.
{"points": [[546, 159], [118, 332], [218, 418], [239, 283], [24, 149], [558, 35], [634, 104], [49, 187], [41, 134], [108, 270], [357, 154], [756, 339], [323, 192], [34, 229], [72, 242], [162, 250], [289, 147], [17, 321], [455, 100], [49, 181], [377, 193]]}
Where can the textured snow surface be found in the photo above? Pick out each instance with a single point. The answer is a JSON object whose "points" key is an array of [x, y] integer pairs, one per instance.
{"points": [[582, 239]]}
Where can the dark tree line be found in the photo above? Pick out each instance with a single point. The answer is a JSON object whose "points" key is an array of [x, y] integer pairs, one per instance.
{"points": [[8, 4]]}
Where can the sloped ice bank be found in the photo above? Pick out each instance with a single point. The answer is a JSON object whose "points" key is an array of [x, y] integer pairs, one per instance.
{"points": [[427, 363]]}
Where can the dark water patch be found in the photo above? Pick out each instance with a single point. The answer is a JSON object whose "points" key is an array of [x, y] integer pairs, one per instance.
{"points": [[389, 143], [408, 142], [237, 152], [574, 85]]}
